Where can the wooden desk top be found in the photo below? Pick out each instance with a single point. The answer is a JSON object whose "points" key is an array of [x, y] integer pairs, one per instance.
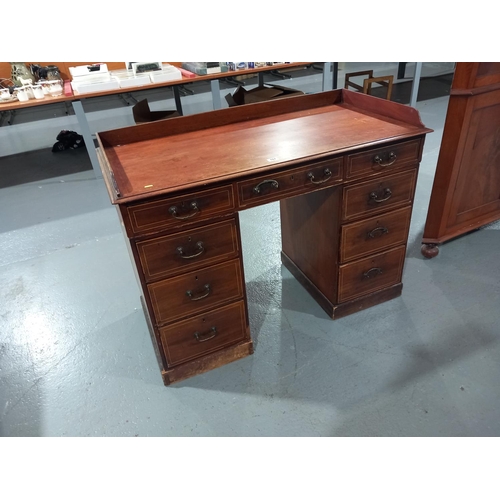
{"points": [[13, 105], [196, 151]]}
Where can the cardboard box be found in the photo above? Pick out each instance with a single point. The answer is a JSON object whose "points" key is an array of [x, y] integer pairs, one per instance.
{"points": [[259, 94], [142, 113]]}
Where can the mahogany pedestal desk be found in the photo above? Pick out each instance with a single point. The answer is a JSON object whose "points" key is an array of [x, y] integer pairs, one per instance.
{"points": [[343, 166]]}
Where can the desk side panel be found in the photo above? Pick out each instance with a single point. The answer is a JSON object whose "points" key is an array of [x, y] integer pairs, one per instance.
{"points": [[310, 233]]}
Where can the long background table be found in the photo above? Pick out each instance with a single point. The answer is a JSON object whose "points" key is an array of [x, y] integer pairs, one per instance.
{"points": [[77, 100], [8, 110]]}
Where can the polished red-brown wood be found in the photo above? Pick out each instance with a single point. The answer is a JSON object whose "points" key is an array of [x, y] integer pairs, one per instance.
{"points": [[466, 190], [377, 195], [310, 239], [180, 184], [197, 291], [205, 333], [372, 273], [183, 251], [247, 140], [383, 160], [375, 234]]}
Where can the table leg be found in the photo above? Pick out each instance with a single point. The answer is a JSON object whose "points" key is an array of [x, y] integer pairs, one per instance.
{"points": [[415, 84], [330, 75], [177, 97], [401, 70], [327, 76], [87, 136], [215, 87]]}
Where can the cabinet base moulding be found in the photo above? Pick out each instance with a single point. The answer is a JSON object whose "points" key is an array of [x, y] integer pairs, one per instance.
{"points": [[207, 363], [336, 311]]}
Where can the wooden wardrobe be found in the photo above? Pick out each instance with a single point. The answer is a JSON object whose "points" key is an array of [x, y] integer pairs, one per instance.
{"points": [[466, 190]]}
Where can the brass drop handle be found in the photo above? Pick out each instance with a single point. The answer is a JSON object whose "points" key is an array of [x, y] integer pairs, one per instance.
{"points": [[273, 183], [386, 195], [377, 232], [198, 336], [371, 273], [194, 207], [392, 159], [327, 174], [199, 246], [191, 295]]}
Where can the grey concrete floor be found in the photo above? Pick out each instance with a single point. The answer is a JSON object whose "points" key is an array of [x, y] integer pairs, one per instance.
{"points": [[76, 358]]}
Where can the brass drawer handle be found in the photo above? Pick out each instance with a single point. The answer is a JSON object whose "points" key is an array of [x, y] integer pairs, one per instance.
{"points": [[198, 335], [386, 195], [392, 159], [327, 174], [271, 182], [193, 205], [207, 290], [199, 246], [371, 273], [377, 232]]}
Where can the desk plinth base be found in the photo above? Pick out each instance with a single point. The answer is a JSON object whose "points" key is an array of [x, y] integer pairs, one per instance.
{"points": [[336, 311], [207, 363], [196, 366]]}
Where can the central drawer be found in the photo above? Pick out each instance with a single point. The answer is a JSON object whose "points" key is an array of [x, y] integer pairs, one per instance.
{"points": [[204, 333], [279, 185], [197, 291], [180, 252]]}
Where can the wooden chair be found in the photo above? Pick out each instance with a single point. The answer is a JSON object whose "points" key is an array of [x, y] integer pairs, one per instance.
{"points": [[385, 81]]}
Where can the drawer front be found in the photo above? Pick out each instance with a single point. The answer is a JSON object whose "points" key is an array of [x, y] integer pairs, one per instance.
{"points": [[180, 252], [272, 187], [197, 291], [178, 210], [204, 333], [371, 274], [378, 195], [368, 236], [383, 160]]}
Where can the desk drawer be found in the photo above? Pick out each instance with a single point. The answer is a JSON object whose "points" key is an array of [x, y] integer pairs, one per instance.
{"points": [[204, 333], [275, 186], [371, 274], [368, 236], [176, 211], [383, 160], [197, 291], [180, 252], [379, 194]]}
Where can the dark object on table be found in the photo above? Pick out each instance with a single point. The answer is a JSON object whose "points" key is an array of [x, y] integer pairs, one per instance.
{"points": [[67, 139]]}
